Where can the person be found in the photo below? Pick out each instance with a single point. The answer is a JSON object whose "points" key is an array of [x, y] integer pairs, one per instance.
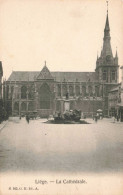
{"points": [[27, 118], [117, 118]]}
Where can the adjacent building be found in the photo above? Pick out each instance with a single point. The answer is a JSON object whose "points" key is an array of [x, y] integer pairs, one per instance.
{"points": [[120, 104], [45, 92], [1, 102], [114, 98]]}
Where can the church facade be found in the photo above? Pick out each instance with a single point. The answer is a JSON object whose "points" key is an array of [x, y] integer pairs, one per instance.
{"points": [[45, 92]]}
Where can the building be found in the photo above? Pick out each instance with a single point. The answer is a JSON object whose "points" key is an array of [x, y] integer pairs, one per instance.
{"points": [[114, 98], [120, 104], [1, 102], [45, 92]]}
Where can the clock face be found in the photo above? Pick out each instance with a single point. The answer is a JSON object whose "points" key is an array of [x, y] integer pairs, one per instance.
{"points": [[108, 58]]}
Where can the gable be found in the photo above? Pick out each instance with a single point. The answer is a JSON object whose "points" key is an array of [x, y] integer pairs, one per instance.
{"points": [[44, 74]]}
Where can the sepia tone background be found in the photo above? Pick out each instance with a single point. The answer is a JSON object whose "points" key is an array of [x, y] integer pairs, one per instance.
{"points": [[68, 35]]}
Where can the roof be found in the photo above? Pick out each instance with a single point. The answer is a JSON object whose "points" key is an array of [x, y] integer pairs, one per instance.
{"points": [[58, 76]]}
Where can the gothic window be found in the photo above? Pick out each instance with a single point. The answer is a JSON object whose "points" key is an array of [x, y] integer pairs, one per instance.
{"points": [[16, 106], [59, 90], [23, 92], [30, 106], [64, 88], [31, 92], [97, 91], [83, 90], [113, 75], [71, 90], [23, 106], [90, 90], [45, 95], [104, 75], [77, 90]]}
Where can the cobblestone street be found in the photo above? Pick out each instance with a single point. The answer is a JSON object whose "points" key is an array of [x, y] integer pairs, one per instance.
{"points": [[37, 146]]}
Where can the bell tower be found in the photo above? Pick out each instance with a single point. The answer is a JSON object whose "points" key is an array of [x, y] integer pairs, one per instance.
{"points": [[106, 65]]}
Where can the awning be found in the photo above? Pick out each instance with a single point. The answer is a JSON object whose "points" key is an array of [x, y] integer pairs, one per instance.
{"points": [[99, 110]]}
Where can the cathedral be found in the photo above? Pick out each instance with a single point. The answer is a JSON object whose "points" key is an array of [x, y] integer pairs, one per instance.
{"points": [[45, 92]]}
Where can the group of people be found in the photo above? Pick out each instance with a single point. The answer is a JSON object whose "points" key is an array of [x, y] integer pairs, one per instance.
{"points": [[97, 116]]}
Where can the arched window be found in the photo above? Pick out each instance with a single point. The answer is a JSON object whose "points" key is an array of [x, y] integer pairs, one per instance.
{"points": [[83, 91], [45, 95], [59, 90], [23, 106], [71, 90], [31, 92], [113, 75], [77, 90], [23, 92], [104, 75], [16, 106], [30, 106], [64, 89], [97, 91], [90, 90]]}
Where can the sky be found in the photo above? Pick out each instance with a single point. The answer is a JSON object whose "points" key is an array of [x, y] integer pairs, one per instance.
{"points": [[68, 34]]}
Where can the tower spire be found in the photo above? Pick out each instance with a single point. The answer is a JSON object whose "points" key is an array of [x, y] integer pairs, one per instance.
{"points": [[107, 28], [107, 51]]}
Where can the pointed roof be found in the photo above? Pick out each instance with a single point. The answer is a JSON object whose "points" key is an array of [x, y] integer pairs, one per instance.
{"points": [[45, 74], [107, 28], [107, 50]]}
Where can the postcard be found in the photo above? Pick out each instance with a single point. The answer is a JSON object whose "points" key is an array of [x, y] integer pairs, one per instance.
{"points": [[61, 97]]}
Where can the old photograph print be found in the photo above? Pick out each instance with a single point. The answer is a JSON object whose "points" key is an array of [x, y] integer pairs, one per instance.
{"points": [[61, 97]]}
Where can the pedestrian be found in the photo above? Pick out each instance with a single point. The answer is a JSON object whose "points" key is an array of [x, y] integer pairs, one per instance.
{"points": [[27, 118]]}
